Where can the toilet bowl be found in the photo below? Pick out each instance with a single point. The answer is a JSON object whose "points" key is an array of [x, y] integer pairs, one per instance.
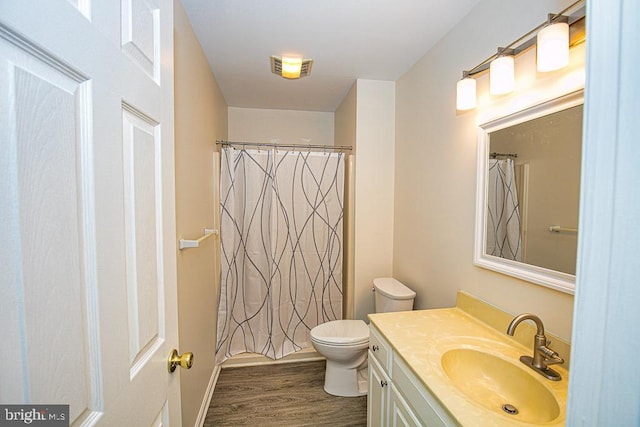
{"points": [[344, 343]]}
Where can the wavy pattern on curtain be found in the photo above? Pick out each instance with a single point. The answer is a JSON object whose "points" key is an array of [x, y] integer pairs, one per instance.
{"points": [[503, 217], [281, 239]]}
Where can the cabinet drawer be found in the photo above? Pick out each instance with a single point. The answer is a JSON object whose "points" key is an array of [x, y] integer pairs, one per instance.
{"points": [[426, 407], [380, 348]]}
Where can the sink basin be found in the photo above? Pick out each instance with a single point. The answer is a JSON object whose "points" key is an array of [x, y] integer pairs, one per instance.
{"points": [[495, 383]]}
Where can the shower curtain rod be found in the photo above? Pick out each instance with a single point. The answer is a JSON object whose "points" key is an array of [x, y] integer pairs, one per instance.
{"points": [[298, 146], [494, 155]]}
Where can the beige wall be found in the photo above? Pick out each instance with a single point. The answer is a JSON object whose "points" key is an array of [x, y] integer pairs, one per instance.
{"points": [[280, 126], [374, 187], [200, 119], [436, 168], [345, 119], [366, 120]]}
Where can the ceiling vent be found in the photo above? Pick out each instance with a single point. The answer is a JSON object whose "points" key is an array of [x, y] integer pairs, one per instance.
{"points": [[291, 68]]}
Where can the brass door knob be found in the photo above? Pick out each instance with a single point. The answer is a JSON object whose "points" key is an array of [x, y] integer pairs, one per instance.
{"points": [[184, 361]]}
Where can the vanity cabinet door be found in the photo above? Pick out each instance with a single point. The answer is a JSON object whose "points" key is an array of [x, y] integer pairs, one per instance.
{"points": [[400, 414], [378, 398]]}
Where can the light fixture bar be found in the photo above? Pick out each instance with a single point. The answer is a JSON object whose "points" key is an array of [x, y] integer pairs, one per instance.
{"points": [[518, 47]]}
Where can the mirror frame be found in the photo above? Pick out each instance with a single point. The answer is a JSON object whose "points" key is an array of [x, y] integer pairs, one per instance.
{"points": [[542, 276]]}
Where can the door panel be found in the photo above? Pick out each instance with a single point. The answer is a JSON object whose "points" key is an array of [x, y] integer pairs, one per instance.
{"points": [[48, 246], [141, 166], [88, 282], [140, 34]]}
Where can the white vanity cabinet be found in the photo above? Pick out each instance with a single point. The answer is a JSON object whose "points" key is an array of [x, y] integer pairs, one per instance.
{"points": [[396, 396]]}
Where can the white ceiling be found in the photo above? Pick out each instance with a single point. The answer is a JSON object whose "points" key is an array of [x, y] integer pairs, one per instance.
{"points": [[347, 40]]}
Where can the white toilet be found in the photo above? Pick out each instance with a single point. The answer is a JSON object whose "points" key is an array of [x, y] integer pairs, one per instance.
{"points": [[345, 342]]}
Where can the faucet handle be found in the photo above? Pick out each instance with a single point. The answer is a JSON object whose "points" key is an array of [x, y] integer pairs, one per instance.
{"points": [[551, 357], [547, 352]]}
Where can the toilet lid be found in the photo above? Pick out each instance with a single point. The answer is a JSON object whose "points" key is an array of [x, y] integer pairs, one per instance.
{"points": [[341, 332]]}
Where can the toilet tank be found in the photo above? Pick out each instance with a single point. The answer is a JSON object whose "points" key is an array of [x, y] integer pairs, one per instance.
{"points": [[391, 295]]}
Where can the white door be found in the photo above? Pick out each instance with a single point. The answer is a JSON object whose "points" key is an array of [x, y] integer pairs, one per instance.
{"points": [[87, 256]]}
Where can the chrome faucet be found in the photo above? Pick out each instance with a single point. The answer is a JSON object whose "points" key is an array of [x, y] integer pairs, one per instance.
{"points": [[542, 355]]}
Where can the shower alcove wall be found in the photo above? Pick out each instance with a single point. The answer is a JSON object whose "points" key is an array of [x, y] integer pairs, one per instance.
{"points": [[364, 119]]}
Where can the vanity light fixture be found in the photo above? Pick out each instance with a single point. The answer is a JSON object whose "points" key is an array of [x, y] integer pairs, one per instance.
{"points": [[466, 92], [553, 41], [552, 48], [502, 78], [291, 68]]}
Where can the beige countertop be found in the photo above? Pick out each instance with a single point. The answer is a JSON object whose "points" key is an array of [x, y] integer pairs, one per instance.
{"points": [[421, 337]]}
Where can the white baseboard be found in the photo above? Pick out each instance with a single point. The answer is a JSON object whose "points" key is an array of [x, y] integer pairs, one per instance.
{"points": [[253, 359], [207, 396]]}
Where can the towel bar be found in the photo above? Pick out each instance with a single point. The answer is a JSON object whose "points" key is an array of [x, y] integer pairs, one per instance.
{"points": [[558, 229], [186, 243]]}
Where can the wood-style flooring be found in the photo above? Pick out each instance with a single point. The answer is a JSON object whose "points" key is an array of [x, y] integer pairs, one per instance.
{"points": [[289, 394]]}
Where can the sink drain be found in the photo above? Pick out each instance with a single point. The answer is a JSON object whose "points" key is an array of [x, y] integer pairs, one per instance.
{"points": [[509, 409]]}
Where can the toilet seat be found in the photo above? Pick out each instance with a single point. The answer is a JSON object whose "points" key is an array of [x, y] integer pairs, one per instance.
{"points": [[341, 333]]}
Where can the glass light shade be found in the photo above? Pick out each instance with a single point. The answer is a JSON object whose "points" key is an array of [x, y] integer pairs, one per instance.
{"points": [[501, 75], [466, 94], [553, 47], [291, 67]]}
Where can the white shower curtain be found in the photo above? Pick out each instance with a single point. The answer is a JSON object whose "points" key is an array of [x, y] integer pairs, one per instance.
{"points": [[503, 218], [281, 239]]}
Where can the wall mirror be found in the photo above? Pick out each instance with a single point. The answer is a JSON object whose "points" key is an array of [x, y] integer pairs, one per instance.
{"points": [[528, 193]]}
